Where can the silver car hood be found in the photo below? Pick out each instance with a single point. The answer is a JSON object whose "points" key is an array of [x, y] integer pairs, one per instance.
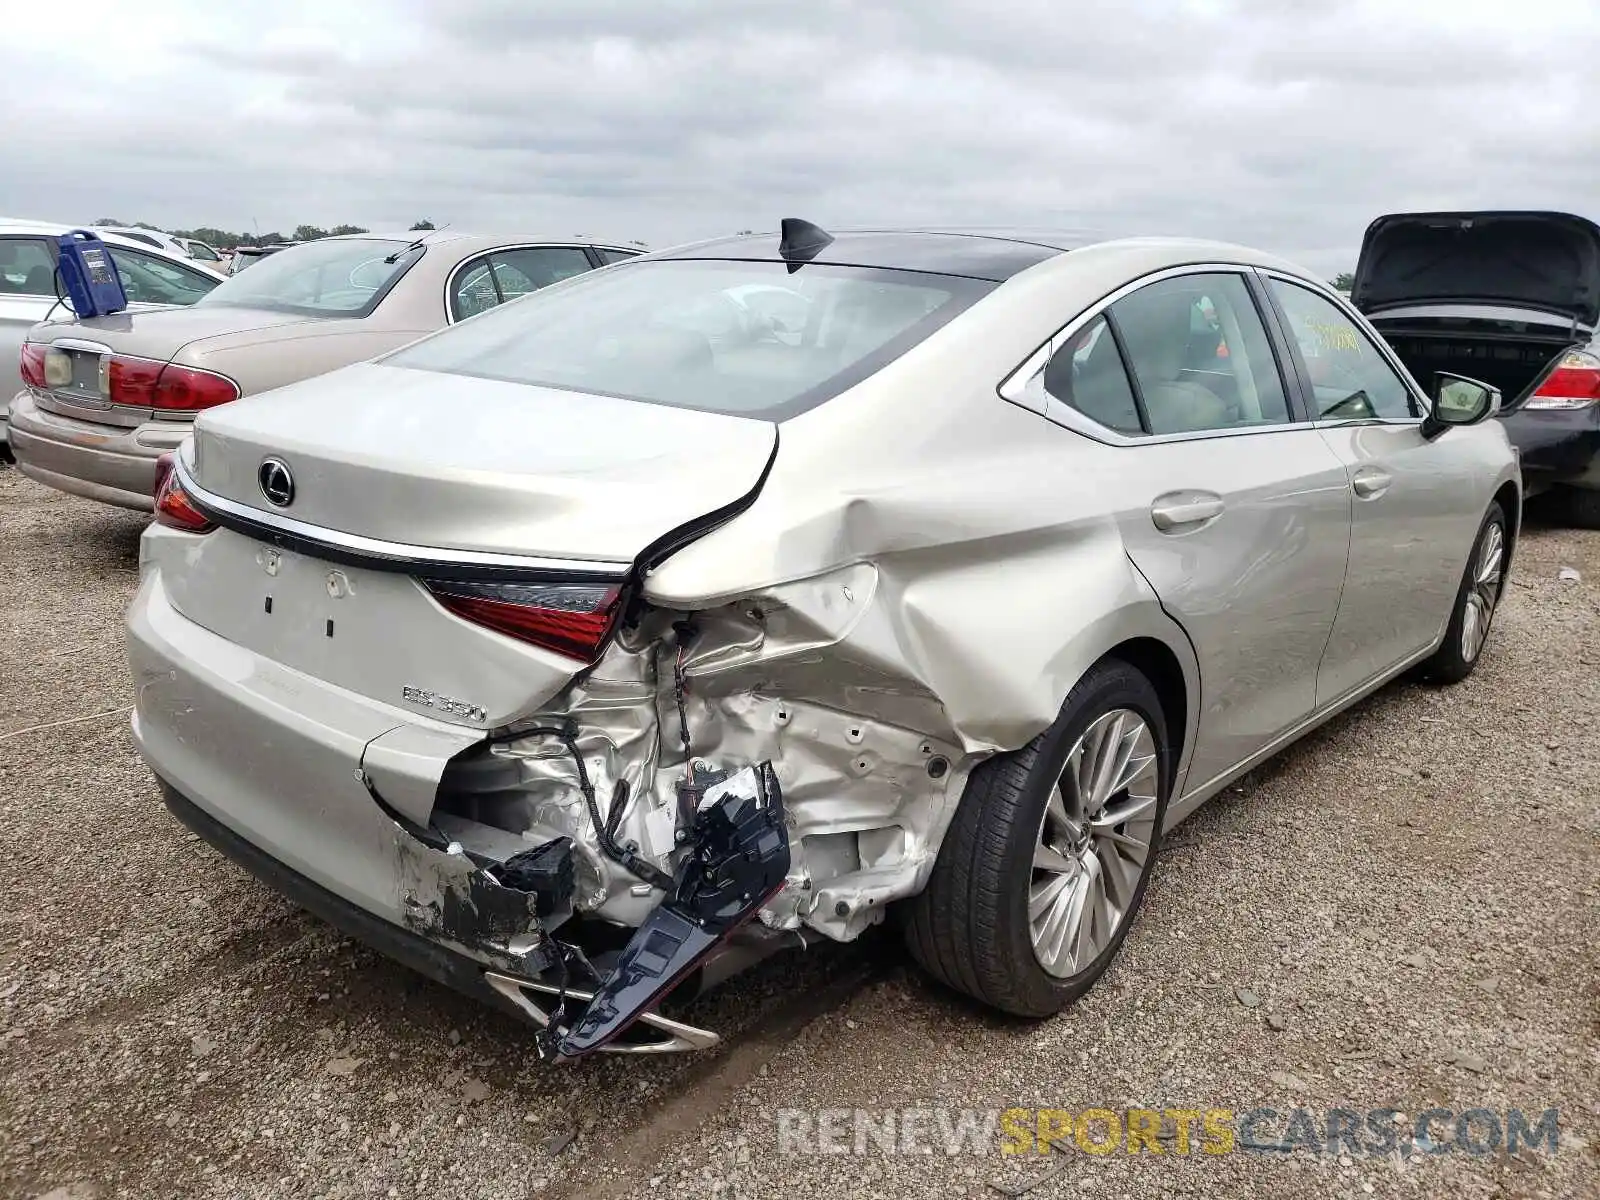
{"points": [[437, 461]]}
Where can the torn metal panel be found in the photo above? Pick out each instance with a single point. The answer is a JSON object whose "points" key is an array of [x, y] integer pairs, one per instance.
{"points": [[445, 895], [864, 757]]}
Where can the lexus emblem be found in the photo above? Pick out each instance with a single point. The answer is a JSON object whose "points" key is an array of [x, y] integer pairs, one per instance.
{"points": [[277, 485]]}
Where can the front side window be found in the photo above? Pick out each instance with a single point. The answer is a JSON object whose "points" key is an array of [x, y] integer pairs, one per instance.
{"points": [[1350, 379], [26, 268], [148, 279], [1181, 355], [684, 333], [335, 278]]}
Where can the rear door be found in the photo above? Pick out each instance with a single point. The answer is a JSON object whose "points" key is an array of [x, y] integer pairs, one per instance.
{"points": [[1236, 512], [1416, 504]]}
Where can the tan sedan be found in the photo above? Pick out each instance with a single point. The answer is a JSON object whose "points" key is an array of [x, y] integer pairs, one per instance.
{"points": [[103, 398]]}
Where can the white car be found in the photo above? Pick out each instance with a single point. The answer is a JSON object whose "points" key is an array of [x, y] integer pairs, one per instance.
{"points": [[147, 237], [152, 277]]}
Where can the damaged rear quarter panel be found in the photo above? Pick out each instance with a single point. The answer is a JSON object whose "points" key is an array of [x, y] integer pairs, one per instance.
{"points": [[878, 636]]}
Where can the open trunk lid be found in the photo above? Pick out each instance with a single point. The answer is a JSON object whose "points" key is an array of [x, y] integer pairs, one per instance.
{"points": [[1548, 261], [386, 456]]}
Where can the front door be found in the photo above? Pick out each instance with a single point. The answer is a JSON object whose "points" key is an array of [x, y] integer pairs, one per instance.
{"points": [[1411, 533]]}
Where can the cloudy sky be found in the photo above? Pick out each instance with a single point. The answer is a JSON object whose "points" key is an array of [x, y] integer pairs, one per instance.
{"points": [[1287, 124]]}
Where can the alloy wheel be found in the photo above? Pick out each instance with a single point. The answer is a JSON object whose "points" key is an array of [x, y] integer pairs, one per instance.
{"points": [[1483, 592], [1094, 842]]}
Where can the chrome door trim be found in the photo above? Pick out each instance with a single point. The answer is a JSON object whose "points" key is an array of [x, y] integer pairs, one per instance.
{"points": [[1024, 387], [378, 554]]}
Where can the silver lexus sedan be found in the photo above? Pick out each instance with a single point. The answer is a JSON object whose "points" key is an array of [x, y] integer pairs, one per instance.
{"points": [[758, 591]]}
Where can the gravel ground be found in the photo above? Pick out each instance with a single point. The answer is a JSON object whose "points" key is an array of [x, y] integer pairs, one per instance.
{"points": [[1400, 912]]}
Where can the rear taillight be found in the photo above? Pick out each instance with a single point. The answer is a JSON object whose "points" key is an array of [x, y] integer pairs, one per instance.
{"points": [[1575, 383], [173, 506], [166, 387], [31, 363], [571, 619]]}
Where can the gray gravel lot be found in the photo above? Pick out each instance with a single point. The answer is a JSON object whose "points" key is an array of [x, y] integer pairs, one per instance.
{"points": [[1410, 897]]}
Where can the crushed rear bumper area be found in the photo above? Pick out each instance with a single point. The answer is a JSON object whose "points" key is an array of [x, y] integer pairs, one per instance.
{"points": [[439, 963], [739, 856]]}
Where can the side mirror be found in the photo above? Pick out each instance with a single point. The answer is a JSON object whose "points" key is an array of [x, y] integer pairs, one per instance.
{"points": [[1458, 400]]}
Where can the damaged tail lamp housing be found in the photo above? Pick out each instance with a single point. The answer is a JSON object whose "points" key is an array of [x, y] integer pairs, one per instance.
{"points": [[570, 619], [174, 508]]}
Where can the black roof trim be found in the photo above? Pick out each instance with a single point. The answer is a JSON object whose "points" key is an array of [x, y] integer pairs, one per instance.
{"points": [[989, 255]]}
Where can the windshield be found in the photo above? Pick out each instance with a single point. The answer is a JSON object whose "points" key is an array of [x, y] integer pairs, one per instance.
{"points": [[319, 279], [745, 338]]}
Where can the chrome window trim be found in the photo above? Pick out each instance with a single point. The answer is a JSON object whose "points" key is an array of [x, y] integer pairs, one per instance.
{"points": [[450, 280], [385, 555], [1024, 387], [1385, 352]]}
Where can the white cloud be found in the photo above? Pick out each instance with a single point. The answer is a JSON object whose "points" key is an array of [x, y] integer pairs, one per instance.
{"points": [[1281, 123]]}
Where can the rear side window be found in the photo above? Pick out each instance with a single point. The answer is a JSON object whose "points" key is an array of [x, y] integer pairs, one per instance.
{"points": [[1181, 355], [150, 280], [609, 256], [1350, 379], [511, 274], [26, 268], [746, 338]]}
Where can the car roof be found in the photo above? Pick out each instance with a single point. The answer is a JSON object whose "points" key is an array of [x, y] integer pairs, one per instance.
{"points": [[994, 255], [440, 237], [979, 252]]}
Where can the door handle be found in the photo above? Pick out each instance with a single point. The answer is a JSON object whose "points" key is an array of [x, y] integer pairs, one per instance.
{"points": [[1370, 483], [1179, 511]]}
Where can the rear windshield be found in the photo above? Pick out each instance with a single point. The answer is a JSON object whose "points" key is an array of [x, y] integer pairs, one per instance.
{"points": [[318, 279], [745, 338]]}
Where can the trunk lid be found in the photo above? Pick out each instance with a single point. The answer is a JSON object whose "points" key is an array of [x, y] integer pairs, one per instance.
{"points": [[1548, 261], [161, 333], [158, 334], [421, 459]]}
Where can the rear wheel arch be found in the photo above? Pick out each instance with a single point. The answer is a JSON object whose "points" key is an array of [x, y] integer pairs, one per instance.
{"points": [[1157, 662]]}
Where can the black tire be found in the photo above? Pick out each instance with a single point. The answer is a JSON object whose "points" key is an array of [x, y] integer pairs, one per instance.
{"points": [[969, 927], [1450, 662], [1581, 507]]}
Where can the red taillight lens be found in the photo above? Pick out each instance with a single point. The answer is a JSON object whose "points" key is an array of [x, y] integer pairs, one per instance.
{"points": [[185, 389], [31, 363], [166, 387], [571, 619], [173, 506], [1575, 383]]}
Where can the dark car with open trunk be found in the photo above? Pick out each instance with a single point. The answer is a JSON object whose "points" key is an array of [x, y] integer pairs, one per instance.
{"points": [[1512, 299]]}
